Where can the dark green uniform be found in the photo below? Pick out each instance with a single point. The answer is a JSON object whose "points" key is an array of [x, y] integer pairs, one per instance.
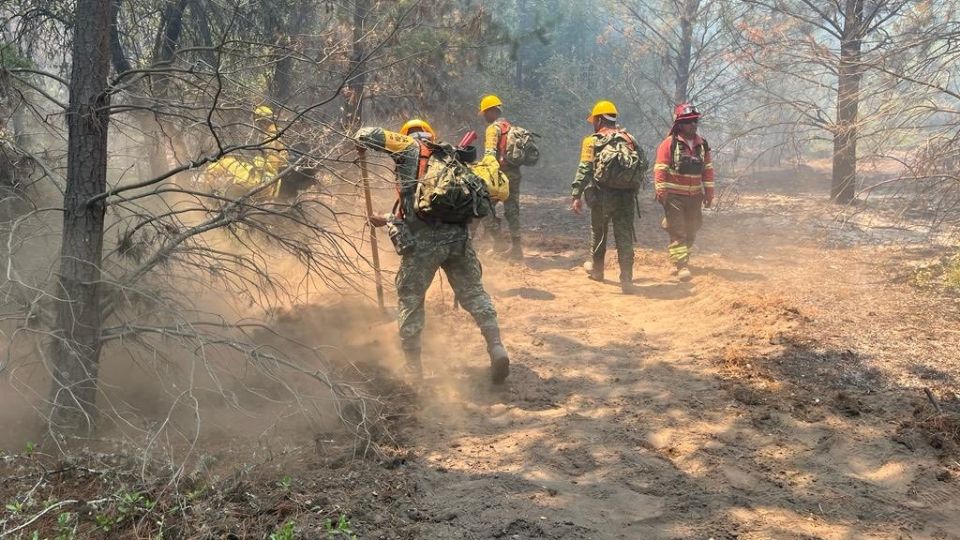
{"points": [[606, 206], [438, 245], [511, 206]]}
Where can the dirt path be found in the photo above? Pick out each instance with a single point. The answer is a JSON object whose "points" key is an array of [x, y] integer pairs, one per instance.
{"points": [[777, 396], [773, 397]]}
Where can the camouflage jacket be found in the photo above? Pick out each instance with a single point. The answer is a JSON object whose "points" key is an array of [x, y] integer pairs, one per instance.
{"points": [[405, 152]]}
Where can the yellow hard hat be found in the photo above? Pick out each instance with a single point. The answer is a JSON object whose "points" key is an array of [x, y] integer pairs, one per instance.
{"points": [[601, 108], [417, 123], [263, 111], [488, 102]]}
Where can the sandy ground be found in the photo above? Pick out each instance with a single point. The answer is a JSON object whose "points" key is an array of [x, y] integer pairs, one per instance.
{"points": [[775, 396], [779, 395]]}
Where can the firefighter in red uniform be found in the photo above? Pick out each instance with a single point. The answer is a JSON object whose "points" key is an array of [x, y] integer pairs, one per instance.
{"points": [[683, 179]]}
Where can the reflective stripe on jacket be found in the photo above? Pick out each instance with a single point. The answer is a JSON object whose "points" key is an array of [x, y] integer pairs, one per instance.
{"points": [[670, 174]]}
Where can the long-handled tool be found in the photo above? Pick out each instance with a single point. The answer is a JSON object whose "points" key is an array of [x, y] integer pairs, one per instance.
{"points": [[465, 142], [362, 154]]}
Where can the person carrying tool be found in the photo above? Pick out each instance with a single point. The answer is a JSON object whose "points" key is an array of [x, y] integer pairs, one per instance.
{"points": [[610, 172], [513, 147], [684, 184], [429, 231]]}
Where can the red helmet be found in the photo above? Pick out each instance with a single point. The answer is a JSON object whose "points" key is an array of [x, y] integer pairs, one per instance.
{"points": [[685, 111]]}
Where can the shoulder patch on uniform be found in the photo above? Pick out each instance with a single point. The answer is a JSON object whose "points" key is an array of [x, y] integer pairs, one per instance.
{"points": [[587, 149]]}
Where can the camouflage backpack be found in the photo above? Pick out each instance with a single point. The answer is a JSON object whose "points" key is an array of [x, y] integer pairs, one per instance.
{"points": [[619, 163], [519, 147], [449, 191]]}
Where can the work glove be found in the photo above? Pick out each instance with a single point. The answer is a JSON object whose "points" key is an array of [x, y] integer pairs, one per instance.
{"points": [[379, 220]]}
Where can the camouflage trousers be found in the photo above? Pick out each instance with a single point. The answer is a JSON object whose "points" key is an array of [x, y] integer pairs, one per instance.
{"points": [[682, 219], [616, 206], [462, 268]]}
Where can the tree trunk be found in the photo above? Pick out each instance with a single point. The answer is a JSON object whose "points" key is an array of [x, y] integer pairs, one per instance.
{"points": [[121, 64], [201, 14], [76, 347], [844, 182], [523, 26], [282, 84], [168, 40], [283, 78], [354, 113], [685, 52], [156, 139]]}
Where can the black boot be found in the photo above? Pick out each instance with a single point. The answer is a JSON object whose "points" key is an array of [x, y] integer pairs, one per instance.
{"points": [[413, 366], [595, 270], [516, 249], [499, 360]]}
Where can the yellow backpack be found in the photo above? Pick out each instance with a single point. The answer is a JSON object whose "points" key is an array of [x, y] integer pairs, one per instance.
{"points": [[497, 183]]}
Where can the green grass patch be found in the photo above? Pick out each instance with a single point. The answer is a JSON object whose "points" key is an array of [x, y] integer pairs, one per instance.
{"points": [[941, 274]]}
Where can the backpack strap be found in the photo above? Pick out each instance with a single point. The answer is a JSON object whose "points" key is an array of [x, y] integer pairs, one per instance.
{"points": [[701, 149], [626, 135], [423, 160], [397, 207], [674, 150], [502, 141]]}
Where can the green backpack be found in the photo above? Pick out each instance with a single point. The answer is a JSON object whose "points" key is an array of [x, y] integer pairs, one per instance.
{"points": [[620, 163], [449, 191], [520, 147]]}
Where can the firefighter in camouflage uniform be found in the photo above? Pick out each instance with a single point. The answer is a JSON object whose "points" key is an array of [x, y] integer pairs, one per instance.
{"points": [[494, 144], [607, 204], [683, 179], [434, 245]]}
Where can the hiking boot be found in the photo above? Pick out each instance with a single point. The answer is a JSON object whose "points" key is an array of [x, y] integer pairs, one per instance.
{"points": [[594, 269], [413, 366], [683, 274], [516, 249], [499, 360]]}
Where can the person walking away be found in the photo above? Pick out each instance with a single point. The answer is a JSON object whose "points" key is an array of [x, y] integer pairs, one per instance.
{"points": [[684, 185], [512, 146], [428, 241], [610, 172]]}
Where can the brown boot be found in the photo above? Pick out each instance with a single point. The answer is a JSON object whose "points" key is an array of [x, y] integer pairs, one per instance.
{"points": [[499, 360]]}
